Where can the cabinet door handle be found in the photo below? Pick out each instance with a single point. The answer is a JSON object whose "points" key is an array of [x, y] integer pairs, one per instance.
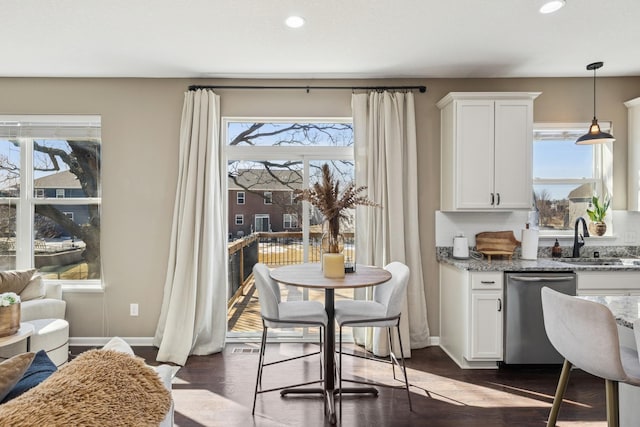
{"points": [[488, 282], [493, 199], [498, 194], [499, 304]]}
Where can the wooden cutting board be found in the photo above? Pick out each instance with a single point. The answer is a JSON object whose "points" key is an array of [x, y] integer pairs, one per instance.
{"points": [[496, 243]]}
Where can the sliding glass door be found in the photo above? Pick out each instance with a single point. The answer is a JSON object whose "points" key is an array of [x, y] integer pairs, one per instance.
{"points": [[267, 161]]}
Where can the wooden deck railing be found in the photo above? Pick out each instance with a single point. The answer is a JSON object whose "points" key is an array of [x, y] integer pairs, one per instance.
{"points": [[273, 249]]}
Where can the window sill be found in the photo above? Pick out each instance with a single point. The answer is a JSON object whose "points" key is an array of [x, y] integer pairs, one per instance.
{"points": [[82, 288], [570, 237]]}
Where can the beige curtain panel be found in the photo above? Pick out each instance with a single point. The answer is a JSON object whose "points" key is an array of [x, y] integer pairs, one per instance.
{"points": [[193, 315], [386, 162]]}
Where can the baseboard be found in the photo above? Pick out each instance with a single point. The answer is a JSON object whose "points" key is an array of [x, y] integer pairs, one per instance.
{"points": [[101, 341], [434, 341]]}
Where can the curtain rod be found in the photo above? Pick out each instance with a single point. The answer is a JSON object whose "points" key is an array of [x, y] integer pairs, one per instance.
{"points": [[422, 89]]}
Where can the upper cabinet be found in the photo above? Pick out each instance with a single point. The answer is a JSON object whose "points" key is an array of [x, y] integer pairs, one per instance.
{"points": [[486, 146], [633, 147]]}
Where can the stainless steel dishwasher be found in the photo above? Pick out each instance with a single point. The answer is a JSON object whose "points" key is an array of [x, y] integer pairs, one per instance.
{"points": [[525, 338]]}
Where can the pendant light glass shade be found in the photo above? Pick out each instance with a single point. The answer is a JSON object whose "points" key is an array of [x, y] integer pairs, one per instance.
{"points": [[595, 135]]}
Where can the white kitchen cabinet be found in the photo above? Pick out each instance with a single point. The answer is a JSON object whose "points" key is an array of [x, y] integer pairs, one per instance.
{"points": [[471, 317], [633, 157], [486, 150], [608, 283]]}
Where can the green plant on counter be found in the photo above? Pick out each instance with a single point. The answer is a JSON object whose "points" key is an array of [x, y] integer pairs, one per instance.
{"points": [[599, 210]]}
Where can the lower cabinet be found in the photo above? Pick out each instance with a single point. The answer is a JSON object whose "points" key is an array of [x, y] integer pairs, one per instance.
{"points": [[471, 316], [608, 283]]}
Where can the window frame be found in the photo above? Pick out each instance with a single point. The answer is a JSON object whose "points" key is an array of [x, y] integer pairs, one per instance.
{"points": [[305, 155], [292, 221], [602, 168], [29, 196], [267, 197], [240, 195], [239, 217]]}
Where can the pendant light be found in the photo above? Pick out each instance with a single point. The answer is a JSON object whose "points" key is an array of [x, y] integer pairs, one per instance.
{"points": [[594, 135]]}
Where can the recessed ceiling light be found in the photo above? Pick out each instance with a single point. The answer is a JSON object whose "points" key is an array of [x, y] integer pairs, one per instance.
{"points": [[294, 21], [552, 6]]}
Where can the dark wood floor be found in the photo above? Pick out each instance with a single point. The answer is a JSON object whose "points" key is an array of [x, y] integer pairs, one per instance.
{"points": [[217, 390]]}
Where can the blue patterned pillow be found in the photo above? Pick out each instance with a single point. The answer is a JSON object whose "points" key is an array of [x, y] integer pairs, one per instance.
{"points": [[41, 368]]}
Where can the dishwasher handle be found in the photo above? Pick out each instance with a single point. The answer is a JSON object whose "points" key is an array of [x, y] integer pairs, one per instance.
{"points": [[541, 278]]}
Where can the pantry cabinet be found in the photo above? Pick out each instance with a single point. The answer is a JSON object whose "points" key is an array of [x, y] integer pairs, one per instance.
{"points": [[486, 150], [471, 316]]}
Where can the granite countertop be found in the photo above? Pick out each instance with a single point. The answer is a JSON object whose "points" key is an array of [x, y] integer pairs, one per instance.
{"points": [[541, 264]]}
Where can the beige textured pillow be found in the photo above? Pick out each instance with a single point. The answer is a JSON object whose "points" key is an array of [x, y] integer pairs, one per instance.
{"points": [[33, 290], [15, 280], [11, 371]]}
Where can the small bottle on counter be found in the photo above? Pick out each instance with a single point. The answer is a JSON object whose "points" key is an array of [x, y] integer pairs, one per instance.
{"points": [[556, 250]]}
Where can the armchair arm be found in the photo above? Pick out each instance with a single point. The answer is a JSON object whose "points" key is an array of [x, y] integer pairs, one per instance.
{"points": [[46, 308]]}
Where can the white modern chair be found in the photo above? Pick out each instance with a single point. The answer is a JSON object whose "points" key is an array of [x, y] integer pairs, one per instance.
{"points": [[585, 333], [278, 314], [383, 311]]}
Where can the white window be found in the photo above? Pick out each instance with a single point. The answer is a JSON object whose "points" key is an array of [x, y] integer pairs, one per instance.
{"points": [[268, 197], [566, 176], [281, 156], [38, 152], [290, 221], [240, 198], [59, 193], [239, 219]]}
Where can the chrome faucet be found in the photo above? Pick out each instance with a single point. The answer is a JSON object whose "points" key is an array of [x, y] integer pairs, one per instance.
{"points": [[578, 242]]}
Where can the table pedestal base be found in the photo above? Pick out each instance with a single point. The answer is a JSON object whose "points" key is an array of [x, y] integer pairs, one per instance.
{"points": [[329, 396]]}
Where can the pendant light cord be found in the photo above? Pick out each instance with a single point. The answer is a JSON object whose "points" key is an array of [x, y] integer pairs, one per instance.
{"points": [[594, 93]]}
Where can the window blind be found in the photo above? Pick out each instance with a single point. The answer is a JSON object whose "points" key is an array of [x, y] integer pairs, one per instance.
{"points": [[67, 127]]}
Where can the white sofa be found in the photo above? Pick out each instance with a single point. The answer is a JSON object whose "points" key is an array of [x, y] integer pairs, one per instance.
{"points": [[42, 306], [51, 306]]}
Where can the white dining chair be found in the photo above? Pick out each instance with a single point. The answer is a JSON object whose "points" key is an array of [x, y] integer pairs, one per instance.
{"points": [[383, 311], [585, 333], [288, 314]]}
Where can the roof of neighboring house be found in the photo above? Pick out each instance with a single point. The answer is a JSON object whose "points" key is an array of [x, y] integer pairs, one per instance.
{"points": [[264, 180], [64, 179]]}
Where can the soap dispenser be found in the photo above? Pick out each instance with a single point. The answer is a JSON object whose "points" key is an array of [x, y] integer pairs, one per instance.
{"points": [[556, 251]]}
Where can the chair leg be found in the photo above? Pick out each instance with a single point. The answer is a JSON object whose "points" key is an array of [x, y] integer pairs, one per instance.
{"points": [[611, 388], [340, 371], [263, 342], [391, 358], [404, 367], [557, 400], [321, 337]]}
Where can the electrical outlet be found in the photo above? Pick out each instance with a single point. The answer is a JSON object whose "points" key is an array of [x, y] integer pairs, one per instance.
{"points": [[133, 309]]}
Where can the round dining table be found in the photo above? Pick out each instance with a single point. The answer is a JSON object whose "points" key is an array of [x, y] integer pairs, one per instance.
{"points": [[309, 275]]}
